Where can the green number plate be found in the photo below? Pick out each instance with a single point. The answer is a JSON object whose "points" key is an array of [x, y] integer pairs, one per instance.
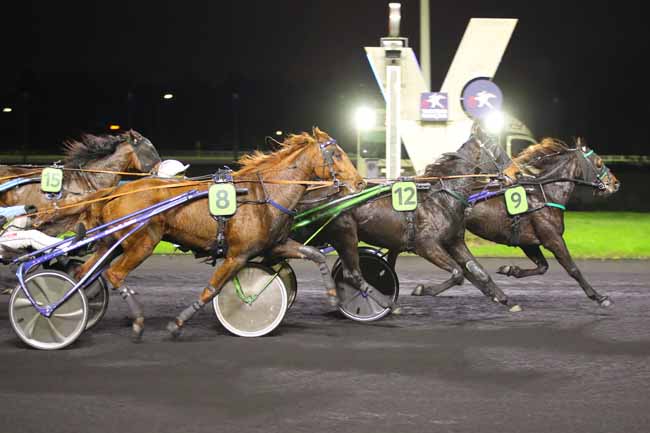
{"points": [[222, 199], [51, 180], [516, 201], [405, 196]]}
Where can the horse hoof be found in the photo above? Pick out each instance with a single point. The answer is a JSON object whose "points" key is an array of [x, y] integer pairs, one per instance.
{"points": [[136, 334], [605, 302], [515, 309], [504, 270], [396, 309], [418, 290], [174, 330]]}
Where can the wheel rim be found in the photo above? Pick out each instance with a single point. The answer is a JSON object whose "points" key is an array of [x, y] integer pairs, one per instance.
{"points": [[261, 316], [66, 323], [97, 296], [374, 305], [290, 281]]}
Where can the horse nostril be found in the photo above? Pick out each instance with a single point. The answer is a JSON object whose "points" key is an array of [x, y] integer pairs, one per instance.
{"points": [[361, 184]]}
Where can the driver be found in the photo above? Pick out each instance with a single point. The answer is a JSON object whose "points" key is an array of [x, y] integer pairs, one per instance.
{"points": [[15, 235], [171, 168]]}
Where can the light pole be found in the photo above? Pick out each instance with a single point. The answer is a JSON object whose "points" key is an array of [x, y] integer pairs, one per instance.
{"points": [[364, 119]]}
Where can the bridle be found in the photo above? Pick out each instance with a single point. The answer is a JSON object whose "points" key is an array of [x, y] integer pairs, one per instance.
{"points": [[327, 153]]}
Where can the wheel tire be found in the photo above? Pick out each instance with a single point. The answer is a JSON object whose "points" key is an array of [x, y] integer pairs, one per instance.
{"points": [[379, 274], [64, 326], [261, 316], [97, 293], [290, 281]]}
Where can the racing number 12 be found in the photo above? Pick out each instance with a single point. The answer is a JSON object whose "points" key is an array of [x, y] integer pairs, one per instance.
{"points": [[404, 195]]}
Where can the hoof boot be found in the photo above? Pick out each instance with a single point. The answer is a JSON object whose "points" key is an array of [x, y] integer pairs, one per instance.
{"points": [[174, 330]]}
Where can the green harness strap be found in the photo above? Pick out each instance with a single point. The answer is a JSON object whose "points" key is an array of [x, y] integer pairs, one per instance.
{"points": [[557, 205]]}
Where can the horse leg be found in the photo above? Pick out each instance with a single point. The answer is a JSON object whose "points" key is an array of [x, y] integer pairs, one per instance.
{"points": [[136, 249], [535, 254], [477, 275], [558, 247], [441, 258], [295, 250], [228, 269]]}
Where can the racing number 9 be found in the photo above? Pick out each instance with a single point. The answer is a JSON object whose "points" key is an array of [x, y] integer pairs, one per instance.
{"points": [[52, 180], [222, 199], [516, 201], [405, 196]]}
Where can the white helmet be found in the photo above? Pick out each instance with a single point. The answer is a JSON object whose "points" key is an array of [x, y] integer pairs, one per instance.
{"points": [[171, 168]]}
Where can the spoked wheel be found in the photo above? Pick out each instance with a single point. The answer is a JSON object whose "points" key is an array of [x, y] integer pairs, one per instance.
{"points": [[375, 304], [253, 303], [64, 326], [289, 279], [97, 294]]}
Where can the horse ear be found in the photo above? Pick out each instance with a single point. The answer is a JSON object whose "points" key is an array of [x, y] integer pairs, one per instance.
{"points": [[317, 133]]}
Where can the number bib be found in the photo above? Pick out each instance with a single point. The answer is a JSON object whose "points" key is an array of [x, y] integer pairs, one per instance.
{"points": [[51, 180], [516, 201], [222, 199], [405, 196]]}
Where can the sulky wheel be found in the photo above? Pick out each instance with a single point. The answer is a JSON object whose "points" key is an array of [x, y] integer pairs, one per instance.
{"points": [[96, 293], [366, 307], [253, 303], [289, 279], [64, 325]]}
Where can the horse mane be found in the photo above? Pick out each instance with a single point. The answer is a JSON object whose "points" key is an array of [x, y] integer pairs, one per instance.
{"points": [[523, 163], [89, 148], [282, 158], [433, 169]]}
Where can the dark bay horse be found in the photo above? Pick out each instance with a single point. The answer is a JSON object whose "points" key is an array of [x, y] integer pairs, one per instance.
{"points": [[549, 170], [436, 231], [261, 225], [129, 151]]}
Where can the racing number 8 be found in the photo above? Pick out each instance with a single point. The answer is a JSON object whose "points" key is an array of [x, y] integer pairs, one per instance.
{"points": [[404, 196], [51, 180], [516, 202], [222, 199]]}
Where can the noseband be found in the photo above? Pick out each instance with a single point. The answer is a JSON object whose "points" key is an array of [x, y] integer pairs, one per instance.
{"points": [[328, 158]]}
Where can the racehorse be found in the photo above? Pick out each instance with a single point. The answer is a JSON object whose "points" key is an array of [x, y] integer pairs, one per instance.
{"points": [[434, 231], [129, 151], [549, 171], [275, 183]]}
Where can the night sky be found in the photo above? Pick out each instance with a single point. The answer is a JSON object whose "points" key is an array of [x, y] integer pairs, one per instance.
{"points": [[572, 68]]}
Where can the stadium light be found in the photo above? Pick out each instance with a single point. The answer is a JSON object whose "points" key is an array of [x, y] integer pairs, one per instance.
{"points": [[113, 127], [365, 118], [7, 109], [168, 96], [278, 132], [494, 122]]}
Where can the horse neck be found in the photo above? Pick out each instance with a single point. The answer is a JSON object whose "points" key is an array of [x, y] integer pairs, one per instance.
{"points": [[120, 160], [290, 194], [560, 192]]}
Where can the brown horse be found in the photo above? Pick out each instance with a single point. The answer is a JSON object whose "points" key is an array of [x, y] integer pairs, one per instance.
{"points": [[261, 225], [129, 151]]}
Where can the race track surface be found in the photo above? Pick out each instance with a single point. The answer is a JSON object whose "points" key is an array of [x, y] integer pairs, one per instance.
{"points": [[455, 363]]}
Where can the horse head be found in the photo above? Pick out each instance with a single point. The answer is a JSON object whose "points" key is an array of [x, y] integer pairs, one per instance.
{"points": [[144, 156], [594, 171], [330, 162]]}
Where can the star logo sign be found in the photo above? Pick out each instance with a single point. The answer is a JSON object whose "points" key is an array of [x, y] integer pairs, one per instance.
{"points": [[435, 100], [481, 100]]}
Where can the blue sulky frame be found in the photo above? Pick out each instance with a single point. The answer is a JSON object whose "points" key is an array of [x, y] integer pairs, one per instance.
{"points": [[136, 219]]}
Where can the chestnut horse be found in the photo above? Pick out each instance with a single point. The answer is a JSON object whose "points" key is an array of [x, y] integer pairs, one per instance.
{"points": [[261, 225], [129, 151]]}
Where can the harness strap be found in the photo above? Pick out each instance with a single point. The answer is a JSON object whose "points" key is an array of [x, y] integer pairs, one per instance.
{"points": [[275, 204], [516, 230], [557, 205], [456, 195], [410, 230]]}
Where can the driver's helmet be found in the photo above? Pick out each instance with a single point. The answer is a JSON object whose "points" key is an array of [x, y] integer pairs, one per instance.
{"points": [[170, 168]]}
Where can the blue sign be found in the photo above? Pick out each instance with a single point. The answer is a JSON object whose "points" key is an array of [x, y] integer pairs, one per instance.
{"points": [[480, 96], [434, 106]]}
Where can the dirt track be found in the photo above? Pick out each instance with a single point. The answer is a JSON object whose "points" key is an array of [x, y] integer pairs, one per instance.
{"points": [[453, 363]]}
